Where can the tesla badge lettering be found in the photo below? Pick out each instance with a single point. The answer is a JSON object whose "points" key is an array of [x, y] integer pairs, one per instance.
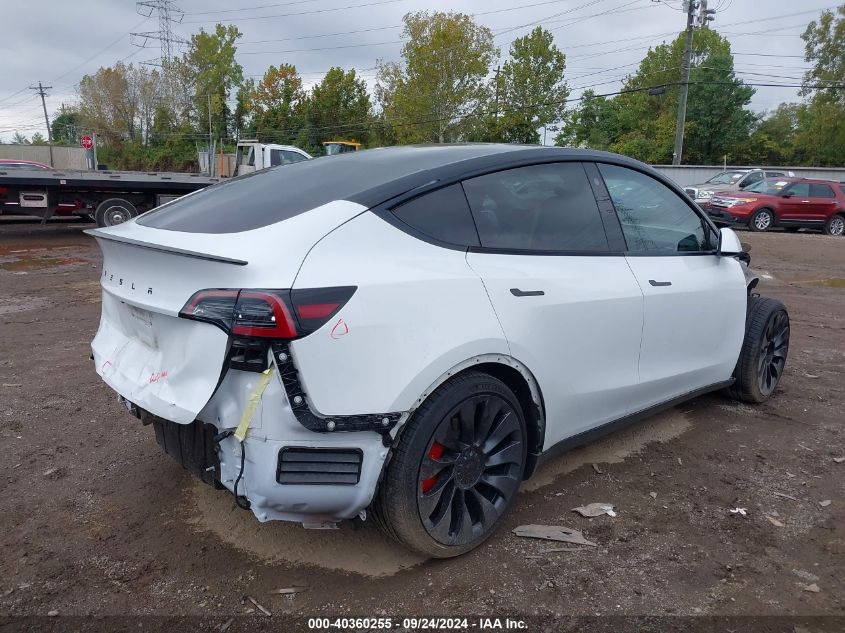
{"points": [[157, 376], [340, 329]]}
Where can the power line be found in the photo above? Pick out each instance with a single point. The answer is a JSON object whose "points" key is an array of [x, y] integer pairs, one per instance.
{"points": [[284, 15]]}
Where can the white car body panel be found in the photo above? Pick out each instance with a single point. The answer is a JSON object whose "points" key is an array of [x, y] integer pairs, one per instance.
{"points": [[142, 350], [598, 344], [691, 333], [419, 311], [591, 312]]}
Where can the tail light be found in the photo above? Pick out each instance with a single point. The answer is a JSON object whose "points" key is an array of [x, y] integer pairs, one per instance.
{"points": [[274, 314]]}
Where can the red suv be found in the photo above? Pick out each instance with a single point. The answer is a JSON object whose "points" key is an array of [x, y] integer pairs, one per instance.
{"points": [[788, 202]]}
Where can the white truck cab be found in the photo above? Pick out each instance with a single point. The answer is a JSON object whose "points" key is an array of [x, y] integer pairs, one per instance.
{"points": [[253, 156]]}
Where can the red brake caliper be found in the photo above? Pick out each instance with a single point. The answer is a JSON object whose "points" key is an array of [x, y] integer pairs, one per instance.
{"points": [[435, 453]]}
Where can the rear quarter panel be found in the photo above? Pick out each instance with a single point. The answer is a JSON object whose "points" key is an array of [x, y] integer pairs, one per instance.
{"points": [[419, 310]]}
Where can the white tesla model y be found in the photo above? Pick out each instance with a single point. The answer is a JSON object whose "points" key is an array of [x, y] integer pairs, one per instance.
{"points": [[409, 330]]}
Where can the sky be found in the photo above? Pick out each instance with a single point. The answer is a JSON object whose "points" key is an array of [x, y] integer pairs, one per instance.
{"points": [[57, 42]]}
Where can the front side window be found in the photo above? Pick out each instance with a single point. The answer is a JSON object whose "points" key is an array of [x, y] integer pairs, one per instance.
{"points": [[799, 190], [751, 179], [547, 207], [654, 218], [771, 187], [821, 191], [442, 214], [292, 157]]}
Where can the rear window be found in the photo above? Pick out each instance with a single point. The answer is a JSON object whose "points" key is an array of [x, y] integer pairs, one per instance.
{"points": [[279, 193]]}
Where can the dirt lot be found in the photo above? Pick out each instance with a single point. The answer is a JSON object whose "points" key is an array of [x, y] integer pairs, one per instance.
{"points": [[96, 520]]}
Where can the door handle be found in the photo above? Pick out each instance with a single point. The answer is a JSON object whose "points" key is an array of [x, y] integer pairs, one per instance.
{"points": [[516, 292], [659, 283]]}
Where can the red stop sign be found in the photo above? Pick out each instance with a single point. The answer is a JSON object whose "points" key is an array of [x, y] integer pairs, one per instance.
{"points": [[87, 142]]}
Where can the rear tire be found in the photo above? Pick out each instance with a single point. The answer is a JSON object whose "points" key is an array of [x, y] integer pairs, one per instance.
{"points": [[762, 220], [114, 211], [835, 225], [764, 350], [457, 468]]}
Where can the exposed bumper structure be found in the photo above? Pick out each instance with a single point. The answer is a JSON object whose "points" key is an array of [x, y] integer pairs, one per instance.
{"points": [[285, 471]]}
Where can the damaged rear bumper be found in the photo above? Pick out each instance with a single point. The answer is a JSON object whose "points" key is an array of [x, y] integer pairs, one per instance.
{"points": [[290, 473]]}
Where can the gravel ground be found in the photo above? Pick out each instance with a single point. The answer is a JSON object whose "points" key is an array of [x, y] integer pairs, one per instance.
{"points": [[96, 520]]}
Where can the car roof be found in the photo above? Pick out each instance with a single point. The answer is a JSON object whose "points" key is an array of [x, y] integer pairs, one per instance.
{"points": [[371, 178], [792, 179], [383, 173]]}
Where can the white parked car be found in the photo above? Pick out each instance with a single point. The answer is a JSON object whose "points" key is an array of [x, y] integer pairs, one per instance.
{"points": [[409, 330]]}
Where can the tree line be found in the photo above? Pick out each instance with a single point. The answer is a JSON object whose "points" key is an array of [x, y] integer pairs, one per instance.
{"points": [[450, 85]]}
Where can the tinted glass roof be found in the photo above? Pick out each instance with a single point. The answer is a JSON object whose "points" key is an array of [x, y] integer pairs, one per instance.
{"points": [[272, 195]]}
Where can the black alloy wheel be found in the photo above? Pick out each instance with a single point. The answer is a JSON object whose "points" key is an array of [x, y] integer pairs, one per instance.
{"points": [[472, 468], [773, 352], [762, 359], [456, 468]]}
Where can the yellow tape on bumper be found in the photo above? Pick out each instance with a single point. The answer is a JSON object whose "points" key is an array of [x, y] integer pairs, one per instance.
{"points": [[254, 398]]}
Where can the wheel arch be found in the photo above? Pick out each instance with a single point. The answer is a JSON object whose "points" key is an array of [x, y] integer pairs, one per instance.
{"points": [[521, 381]]}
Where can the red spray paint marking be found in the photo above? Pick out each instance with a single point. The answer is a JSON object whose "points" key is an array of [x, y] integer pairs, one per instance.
{"points": [[340, 329]]}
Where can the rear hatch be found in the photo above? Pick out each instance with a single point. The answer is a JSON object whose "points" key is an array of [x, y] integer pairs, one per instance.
{"points": [[159, 361]]}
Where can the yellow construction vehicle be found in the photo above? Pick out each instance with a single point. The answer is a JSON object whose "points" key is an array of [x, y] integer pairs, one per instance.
{"points": [[340, 147]]}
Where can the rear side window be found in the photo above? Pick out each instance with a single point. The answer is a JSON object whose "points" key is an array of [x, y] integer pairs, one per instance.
{"points": [[442, 214], [547, 207], [821, 191], [653, 217]]}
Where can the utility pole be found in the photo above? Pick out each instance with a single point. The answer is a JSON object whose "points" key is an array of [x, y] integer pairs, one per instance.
{"points": [[210, 150], [41, 90], [682, 98], [705, 15], [498, 70]]}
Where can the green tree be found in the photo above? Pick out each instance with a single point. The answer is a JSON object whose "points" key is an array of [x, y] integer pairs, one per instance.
{"points": [[773, 140], [65, 127], [244, 109], [717, 121], [824, 47], [118, 102], [19, 139], [594, 124], [441, 81], [211, 70], [278, 104], [532, 90], [820, 137], [820, 133], [38, 139], [338, 108]]}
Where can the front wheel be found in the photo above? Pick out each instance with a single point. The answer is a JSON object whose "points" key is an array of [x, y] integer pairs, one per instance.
{"points": [[457, 468], [762, 220], [765, 347], [835, 225]]}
